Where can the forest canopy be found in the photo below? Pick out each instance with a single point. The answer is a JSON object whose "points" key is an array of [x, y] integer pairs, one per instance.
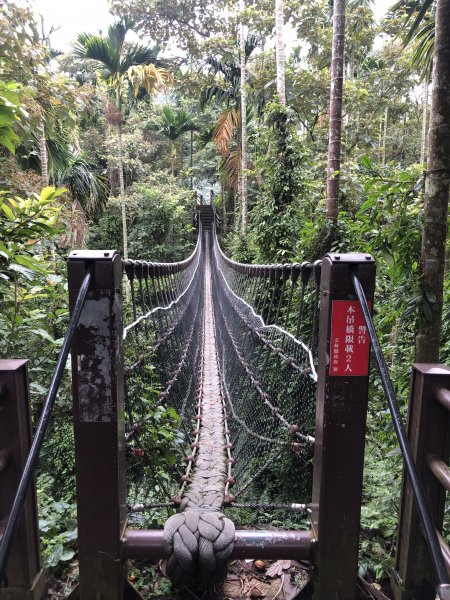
{"points": [[112, 142]]}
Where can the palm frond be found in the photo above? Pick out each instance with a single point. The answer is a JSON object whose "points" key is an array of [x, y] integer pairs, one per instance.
{"points": [[225, 128], [425, 8], [137, 54], [84, 184], [149, 77], [99, 50], [116, 34], [217, 93], [251, 43], [423, 48], [230, 166]]}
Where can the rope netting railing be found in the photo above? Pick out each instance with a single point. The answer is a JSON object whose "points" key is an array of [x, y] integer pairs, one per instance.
{"points": [[162, 345], [286, 295], [221, 394], [268, 378]]}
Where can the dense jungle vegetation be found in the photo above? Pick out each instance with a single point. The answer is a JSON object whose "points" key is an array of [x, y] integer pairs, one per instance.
{"points": [[112, 143]]}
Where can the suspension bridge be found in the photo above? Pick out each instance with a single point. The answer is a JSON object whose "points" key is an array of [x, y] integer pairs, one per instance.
{"points": [[262, 371]]}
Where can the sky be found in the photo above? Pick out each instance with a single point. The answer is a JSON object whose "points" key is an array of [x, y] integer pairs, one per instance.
{"points": [[75, 16]]}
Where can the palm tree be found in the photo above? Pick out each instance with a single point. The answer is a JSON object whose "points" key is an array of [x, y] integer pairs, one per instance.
{"points": [[173, 124], [337, 79], [244, 135], [122, 67], [279, 24], [228, 126]]}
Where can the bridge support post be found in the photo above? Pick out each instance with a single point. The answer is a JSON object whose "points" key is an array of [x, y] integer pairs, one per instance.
{"points": [[98, 397], [343, 357], [429, 437], [24, 577]]}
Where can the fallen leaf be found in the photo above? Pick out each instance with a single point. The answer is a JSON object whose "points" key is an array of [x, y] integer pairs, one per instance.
{"points": [[256, 593], [260, 565], [278, 567]]}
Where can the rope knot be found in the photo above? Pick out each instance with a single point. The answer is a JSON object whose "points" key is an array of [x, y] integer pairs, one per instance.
{"points": [[198, 545]]}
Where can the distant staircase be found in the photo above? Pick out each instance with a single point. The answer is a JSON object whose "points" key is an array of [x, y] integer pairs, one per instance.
{"points": [[206, 214]]}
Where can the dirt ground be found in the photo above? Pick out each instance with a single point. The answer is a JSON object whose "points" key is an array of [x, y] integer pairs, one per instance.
{"points": [[246, 580]]}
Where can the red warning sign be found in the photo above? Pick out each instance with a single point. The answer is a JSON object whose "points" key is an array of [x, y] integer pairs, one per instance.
{"points": [[350, 342]]}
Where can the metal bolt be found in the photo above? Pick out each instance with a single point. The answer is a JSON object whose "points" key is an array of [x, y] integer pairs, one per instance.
{"points": [[337, 257], [368, 257], [105, 253]]}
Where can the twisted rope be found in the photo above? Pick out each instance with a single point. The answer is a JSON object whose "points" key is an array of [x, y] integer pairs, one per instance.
{"points": [[199, 540]]}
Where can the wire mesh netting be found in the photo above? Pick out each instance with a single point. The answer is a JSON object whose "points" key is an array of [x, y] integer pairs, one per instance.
{"points": [[266, 320], [268, 377], [162, 353]]}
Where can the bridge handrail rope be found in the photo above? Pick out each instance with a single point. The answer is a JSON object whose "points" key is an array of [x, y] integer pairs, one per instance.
{"points": [[265, 326], [41, 429], [429, 530], [159, 270]]}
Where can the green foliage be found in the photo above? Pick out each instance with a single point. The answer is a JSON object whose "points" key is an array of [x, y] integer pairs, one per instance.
{"points": [[10, 113], [276, 217], [159, 216], [26, 277], [379, 513], [57, 524]]}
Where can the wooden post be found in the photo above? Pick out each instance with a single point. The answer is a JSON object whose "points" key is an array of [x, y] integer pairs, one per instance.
{"points": [[24, 577], [343, 358], [98, 396], [429, 434]]}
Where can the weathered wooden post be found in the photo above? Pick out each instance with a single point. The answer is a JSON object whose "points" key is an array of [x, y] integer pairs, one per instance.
{"points": [[429, 438], [343, 368], [98, 397], [24, 577]]}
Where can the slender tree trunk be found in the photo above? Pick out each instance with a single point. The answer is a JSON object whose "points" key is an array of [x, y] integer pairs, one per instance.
{"points": [[279, 24], [335, 135], [437, 185], [172, 159], [43, 153], [423, 143], [383, 150], [191, 158], [122, 189], [380, 139], [224, 207], [244, 206]]}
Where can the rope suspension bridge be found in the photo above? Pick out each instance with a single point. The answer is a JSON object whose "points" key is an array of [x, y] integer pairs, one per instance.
{"points": [[262, 371]]}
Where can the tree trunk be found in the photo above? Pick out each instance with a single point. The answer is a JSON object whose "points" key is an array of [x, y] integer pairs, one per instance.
{"points": [[279, 24], [122, 189], [191, 158], [437, 185], [43, 153], [173, 159], [243, 190], [423, 144], [224, 208], [383, 150], [334, 139]]}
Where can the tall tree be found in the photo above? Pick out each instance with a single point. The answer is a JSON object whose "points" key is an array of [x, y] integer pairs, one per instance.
{"points": [[335, 133], [172, 124], [279, 38], [243, 57], [122, 66], [437, 186]]}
